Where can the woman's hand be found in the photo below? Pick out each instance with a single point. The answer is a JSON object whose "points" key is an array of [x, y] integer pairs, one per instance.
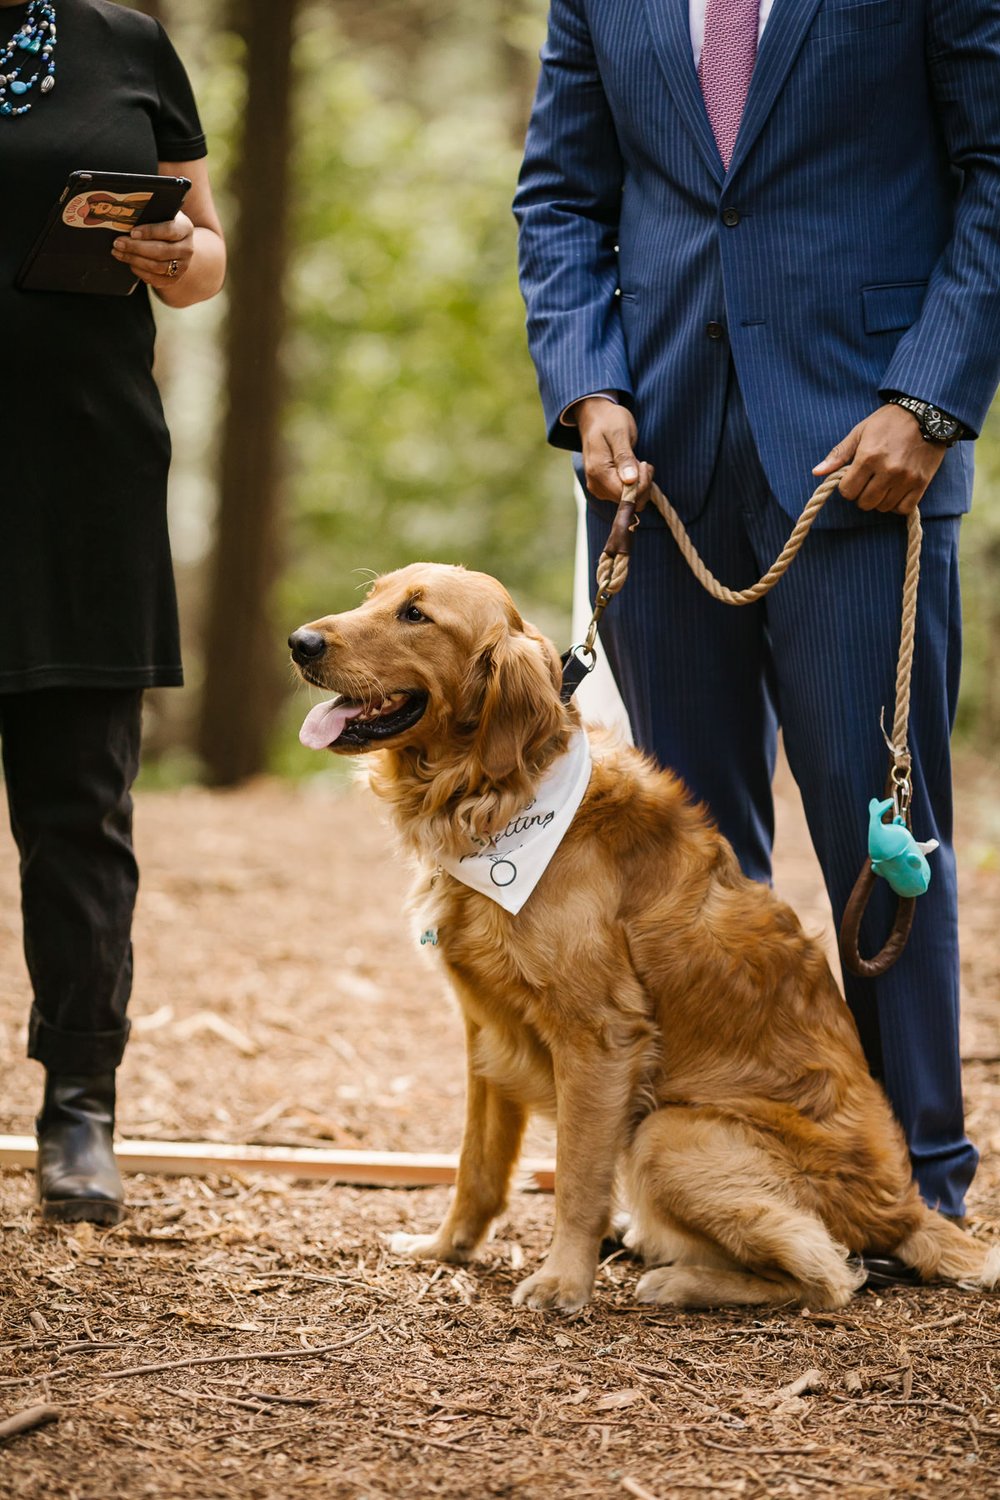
{"points": [[159, 254]]}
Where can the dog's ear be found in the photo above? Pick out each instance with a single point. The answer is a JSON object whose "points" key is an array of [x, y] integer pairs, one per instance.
{"points": [[549, 653], [519, 706]]}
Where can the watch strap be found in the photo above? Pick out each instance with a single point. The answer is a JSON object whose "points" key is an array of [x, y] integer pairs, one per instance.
{"points": [[930, 417]]}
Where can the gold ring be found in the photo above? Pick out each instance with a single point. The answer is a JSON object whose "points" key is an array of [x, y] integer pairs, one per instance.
{"points": [[172, 269]]}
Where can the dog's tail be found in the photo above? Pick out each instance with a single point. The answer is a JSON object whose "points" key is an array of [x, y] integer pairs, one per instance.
{"points": [[940, 1251]]}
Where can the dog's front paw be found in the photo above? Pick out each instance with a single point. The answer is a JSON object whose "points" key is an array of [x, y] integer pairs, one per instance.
{"points": [[549, 1289], [668, 1284], [429, 1247]]}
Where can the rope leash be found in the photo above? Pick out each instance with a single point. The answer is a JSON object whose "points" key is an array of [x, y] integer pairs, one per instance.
{"points": [[612, 574]]}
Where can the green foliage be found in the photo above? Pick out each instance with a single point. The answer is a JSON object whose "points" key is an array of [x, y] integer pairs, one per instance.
{"points": [[415, 429]]}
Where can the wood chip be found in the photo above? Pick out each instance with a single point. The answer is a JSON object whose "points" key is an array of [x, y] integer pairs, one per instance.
{"points": [[24, 1421], [807, 1384]]}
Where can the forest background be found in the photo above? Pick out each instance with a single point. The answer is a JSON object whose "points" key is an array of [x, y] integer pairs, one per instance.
{"points": [[362, 396]]}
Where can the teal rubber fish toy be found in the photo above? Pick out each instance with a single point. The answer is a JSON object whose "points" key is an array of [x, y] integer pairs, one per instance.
{"points": [[895, 853]]}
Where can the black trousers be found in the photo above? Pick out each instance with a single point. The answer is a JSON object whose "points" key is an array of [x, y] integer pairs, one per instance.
{"points": [[70, 756]]}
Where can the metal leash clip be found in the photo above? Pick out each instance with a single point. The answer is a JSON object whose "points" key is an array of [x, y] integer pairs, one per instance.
{"points": [[580, 660], [577, 664]]}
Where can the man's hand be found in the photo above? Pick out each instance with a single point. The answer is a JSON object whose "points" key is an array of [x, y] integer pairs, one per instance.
{"points": [[890, 463], [608, 433]]}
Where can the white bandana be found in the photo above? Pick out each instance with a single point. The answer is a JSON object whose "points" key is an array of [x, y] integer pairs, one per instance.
{"points": [[508, 868]]}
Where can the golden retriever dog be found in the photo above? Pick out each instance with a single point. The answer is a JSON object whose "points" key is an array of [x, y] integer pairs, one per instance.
{"points": [[671, 1015]]}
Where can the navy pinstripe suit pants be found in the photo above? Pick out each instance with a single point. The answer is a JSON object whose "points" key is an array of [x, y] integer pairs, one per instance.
{"points": [[707, 685]]}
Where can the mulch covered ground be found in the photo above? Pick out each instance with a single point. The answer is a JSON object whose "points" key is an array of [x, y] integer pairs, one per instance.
{"points": [[252, 1338]]}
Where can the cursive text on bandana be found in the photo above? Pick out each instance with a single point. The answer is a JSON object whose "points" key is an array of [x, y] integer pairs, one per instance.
{"points": [[510, 865]]}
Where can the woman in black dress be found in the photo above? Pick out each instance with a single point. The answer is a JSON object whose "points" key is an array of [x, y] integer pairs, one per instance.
{"points": [[88, 615]]}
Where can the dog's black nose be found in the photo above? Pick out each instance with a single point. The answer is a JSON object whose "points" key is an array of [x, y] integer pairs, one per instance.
{"points": [[306, 645]]}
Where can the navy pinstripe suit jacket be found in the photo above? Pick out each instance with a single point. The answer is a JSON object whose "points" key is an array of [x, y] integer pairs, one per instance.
{"points": [[852, 248]]}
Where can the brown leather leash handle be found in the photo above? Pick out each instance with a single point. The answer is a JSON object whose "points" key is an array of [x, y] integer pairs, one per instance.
{"points": [[619, 540], [850, 928]]}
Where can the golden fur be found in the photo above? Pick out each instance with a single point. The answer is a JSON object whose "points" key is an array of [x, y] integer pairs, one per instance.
{"points": [[673, 1017]]}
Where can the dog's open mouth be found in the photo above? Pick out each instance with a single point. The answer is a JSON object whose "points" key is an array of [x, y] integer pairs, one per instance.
{"points": [[345, 721]]}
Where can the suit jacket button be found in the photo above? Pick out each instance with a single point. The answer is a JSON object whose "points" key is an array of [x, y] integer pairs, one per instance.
{"points": [[730, 217], [715, 330]]}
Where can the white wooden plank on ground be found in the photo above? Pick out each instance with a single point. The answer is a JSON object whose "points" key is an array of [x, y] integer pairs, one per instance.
{"points": [[213, 1158]]}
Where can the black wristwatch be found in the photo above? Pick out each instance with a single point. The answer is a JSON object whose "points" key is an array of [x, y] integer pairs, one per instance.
{"points": [[935, 425]]}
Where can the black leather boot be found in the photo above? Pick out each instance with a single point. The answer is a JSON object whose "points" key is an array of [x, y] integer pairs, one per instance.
{"points": [[77, 1174]]}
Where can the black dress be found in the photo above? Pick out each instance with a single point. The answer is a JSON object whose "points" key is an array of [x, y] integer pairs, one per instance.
{"points": [[86, 586]]}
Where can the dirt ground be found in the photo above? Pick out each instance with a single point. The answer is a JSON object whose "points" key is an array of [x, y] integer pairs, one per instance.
{"points": [[248, 1337]]}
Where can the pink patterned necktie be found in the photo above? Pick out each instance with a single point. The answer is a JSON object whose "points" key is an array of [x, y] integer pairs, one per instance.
{"points": [[727, 58]]}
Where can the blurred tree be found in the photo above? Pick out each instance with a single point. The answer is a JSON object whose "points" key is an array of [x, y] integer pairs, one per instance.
{"points": [[156, 8], [517, 33], [415, 419], [979, 704], [241, 688]]}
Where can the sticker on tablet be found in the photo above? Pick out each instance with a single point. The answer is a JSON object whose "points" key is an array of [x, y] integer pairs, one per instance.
{"points": [[101, 210]]}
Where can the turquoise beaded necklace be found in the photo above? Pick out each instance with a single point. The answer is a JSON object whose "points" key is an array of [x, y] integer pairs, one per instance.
{"points": [[36, 38]]}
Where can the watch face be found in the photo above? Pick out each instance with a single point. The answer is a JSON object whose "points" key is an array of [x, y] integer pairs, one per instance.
{"points": [[939, 428]]}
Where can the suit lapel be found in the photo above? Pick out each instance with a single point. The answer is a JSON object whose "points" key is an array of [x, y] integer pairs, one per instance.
{"points": [[669, 25], [779, 46]]}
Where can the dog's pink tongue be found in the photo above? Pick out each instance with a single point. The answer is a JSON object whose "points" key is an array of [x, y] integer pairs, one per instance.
{"points": [[324, 724]]}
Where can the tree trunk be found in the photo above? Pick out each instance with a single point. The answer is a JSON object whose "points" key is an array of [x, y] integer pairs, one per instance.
{"points": [[518, 66], [241, 650]]}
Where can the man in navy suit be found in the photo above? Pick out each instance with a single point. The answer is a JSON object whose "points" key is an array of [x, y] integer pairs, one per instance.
{"points": [[760, 239]]}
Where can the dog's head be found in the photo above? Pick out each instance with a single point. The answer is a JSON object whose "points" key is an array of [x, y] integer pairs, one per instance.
{"points": [[437, 664]]}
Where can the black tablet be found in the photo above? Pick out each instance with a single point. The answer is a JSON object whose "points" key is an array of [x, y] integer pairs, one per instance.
{"points": [[73, 251]]}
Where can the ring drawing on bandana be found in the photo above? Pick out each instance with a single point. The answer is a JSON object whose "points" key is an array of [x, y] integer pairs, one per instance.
{"points": [[503, 872]]}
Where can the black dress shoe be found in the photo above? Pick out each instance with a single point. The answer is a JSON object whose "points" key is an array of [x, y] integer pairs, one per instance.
{"points": [[888, 1270], [78, 1177]]}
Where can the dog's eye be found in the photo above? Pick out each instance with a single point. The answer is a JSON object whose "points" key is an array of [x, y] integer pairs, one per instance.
{"points": [[414, 614]]}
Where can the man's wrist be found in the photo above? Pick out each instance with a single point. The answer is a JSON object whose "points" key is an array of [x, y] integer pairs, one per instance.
{"points": [[570, 415], [936, 426]]}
